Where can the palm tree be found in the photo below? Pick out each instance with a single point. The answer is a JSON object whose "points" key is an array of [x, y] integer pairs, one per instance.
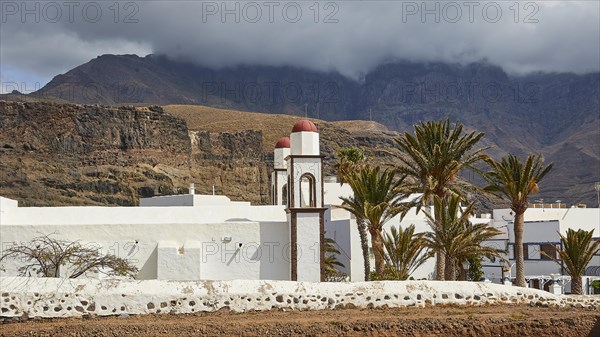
{"points": [[349, 159], [453, 235], [433, 159], [331, 253], [405, 250], [352, 160], [578, 249], [516, 181], [376, 200]]}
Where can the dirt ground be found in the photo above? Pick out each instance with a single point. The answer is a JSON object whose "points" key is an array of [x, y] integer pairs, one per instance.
{"points": [[500, 321]]}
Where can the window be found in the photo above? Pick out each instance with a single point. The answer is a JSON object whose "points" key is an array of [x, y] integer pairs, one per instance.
{"points": [[307, 190], [533, 251]]}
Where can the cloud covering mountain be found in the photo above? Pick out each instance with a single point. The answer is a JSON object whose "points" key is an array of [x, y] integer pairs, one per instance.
{"points": [[41, 39]]}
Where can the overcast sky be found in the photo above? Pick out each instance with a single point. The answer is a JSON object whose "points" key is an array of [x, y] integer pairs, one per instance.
{"points": [[39, 40]]}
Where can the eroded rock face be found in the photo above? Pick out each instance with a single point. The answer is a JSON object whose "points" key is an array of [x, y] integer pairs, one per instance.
{"points": [[89, 154], [71, 130], [57, 154], [232, 162]]}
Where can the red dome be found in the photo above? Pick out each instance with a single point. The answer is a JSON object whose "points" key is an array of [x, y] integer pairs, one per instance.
{"points": [[283, 142], [304, 125]]}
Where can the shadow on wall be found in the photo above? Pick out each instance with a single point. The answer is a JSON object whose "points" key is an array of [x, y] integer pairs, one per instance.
{"points": [[149, 270]]}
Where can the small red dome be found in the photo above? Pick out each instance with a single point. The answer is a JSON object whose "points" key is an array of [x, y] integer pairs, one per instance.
{"points": [[304, 125], [283, 142]]}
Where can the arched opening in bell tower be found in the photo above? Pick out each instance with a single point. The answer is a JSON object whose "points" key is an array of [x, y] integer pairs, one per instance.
{"points": [[308, 190]]}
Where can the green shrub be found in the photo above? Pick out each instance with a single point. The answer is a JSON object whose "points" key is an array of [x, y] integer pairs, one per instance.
{"points": [[389, 274]]}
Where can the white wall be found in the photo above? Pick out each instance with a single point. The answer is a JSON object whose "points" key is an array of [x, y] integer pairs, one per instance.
{"points": [[261, 256], [178, 262], [421, 226], [537, 231], [340, 224], [262, 230], [6, 203], [278, 191], [199, 242], [279, 155], [333, 192], [308, 254], [190, 200], [304, 143], [97, 215], [341, 231]]}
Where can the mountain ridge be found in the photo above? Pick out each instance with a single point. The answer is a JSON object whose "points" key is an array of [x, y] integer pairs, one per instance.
{"points": [[556, 114]]}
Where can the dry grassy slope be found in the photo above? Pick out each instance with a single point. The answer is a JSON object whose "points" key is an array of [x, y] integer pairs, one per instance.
{"points": [[272, 126], [243, 173], [373, 137]]}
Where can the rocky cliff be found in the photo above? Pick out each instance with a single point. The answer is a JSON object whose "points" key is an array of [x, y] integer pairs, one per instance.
{"points": [[67, 154]]}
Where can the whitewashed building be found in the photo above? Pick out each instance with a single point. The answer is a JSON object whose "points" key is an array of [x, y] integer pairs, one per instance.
{"points": [[541, 234], [210, 237]]}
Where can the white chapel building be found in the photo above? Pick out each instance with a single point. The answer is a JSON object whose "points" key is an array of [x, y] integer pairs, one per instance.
{"points": [[210, 237]]}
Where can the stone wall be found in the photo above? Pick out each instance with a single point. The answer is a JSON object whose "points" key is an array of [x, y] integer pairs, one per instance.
{"points": [[49, 297]]}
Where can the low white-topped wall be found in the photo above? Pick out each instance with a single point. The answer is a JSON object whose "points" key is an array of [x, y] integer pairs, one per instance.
{"points": [[51, 297]]}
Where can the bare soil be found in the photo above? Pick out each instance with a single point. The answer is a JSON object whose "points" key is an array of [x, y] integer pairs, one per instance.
{"points": [[500, 321]]}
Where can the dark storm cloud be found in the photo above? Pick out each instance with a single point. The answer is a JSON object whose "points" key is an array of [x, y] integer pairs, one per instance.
{"points": [[351, 37]]}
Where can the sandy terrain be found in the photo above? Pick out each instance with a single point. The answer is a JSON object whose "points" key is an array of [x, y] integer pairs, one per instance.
{"points": [[501, 321]]}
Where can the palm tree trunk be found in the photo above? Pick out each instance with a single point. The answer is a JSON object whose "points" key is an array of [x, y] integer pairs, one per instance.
{"points": [[463, 274], [377, 243], [440, 266], [364, 244], [576, 285], [440, 262], [450, 270], [519, 221]]}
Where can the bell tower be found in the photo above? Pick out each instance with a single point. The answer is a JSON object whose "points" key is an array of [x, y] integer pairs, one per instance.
{"points": [[305, 203], [279, 193]]}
